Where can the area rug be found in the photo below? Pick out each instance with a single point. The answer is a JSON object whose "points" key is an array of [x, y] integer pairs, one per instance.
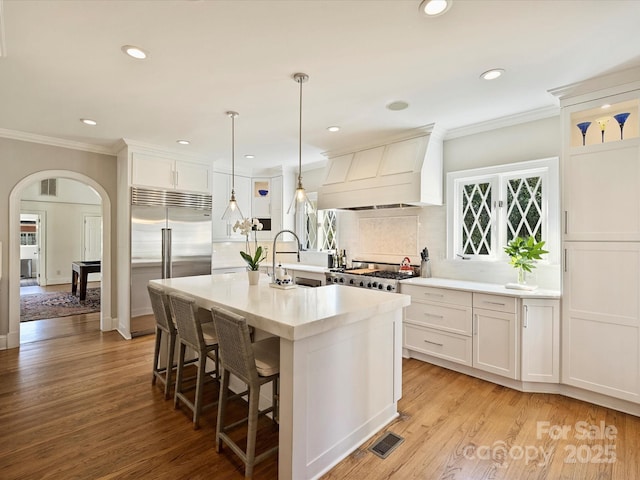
{"points": [[36, 306]]}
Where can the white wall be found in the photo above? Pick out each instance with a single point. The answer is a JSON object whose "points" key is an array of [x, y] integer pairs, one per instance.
{"points": [[395, 233], [68, 191]]}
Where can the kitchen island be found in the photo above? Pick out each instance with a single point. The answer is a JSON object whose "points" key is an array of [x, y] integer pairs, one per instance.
{"points": [[340, 361]]}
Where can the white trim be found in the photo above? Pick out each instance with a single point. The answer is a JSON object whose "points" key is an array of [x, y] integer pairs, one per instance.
{"points": [[552, 213], [508, 121], [106, 321], [55, 142]]}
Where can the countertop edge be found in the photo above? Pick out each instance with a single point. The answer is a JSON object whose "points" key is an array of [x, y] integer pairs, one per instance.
{"points": [[481, 287]]}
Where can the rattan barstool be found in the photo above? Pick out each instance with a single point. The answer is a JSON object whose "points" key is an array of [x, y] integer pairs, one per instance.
{"points": [[201, 338], [166, 329], [253, 363]]}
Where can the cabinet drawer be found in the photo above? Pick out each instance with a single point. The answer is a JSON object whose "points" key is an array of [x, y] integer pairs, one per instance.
{"points": [[448, 317], [433, 294], [497, 303], [450, 346]]}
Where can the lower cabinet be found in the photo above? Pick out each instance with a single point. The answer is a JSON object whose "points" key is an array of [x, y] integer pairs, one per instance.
{"points": [[507, 336]]}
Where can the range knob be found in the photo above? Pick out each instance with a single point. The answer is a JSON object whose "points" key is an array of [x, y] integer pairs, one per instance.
{"points": [[335, 280], [374, 284], [342, 280], [351, 282], [362, 284], [389, 287], [380, 287], [369, 285]]}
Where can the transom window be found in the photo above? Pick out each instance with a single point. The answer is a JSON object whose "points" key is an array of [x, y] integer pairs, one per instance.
{"points": [[489, 207]]}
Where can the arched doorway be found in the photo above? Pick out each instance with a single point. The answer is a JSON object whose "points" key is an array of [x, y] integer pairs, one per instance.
{"points": [[106, 322]]}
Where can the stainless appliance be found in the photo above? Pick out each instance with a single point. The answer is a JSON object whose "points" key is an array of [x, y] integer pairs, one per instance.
{"points": [[365, 274], [170, 237]]}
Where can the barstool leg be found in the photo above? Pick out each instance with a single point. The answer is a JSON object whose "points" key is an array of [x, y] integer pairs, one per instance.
{"points": [[170, 350], [197, 404], [156, 355], [252, 429], [179, 375], [222, 407]]}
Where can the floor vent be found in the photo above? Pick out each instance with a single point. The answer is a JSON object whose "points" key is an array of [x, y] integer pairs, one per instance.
{"points": [[387, 444]]}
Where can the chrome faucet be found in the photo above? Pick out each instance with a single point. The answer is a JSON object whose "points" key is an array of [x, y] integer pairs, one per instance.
{"points": [[273, 253]]}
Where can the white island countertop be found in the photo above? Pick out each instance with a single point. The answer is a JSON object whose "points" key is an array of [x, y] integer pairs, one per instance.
{"points": [[482, 287], [292, 314]]}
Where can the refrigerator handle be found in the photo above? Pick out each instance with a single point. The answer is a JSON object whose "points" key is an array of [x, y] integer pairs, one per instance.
{"points": [[166, 253]]}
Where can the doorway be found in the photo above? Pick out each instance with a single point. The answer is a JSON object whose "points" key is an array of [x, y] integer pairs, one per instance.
{"points": [[55, 274]]}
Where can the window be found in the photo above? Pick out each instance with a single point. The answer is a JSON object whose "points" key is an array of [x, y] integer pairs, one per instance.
{"points": [[489, 207], [318, 228]]}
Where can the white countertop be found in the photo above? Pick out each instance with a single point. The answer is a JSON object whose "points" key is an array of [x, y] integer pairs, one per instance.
{"points": [[300, 267], [292, 314], [481, 287]]}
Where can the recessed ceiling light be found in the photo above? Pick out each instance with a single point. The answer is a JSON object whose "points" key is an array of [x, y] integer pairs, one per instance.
{"points": [[397, 105], [433, 8], [249, 156], [333, 128], [492, 74], [183, 142], [88, 121], [135, 52]]}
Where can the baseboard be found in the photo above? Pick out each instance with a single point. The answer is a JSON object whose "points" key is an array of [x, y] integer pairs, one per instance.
{"points": [[10, 340], [532, 387]]}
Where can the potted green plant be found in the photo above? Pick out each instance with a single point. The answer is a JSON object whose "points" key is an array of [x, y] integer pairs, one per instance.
{"points": [[252, 259], [524, 253]]}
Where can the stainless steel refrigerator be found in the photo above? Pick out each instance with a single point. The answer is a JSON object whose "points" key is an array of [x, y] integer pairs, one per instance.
{"points": [[170, 237]]}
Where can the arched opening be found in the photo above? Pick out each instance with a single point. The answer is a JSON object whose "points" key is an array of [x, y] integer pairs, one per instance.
{"points": [[106, 322]]}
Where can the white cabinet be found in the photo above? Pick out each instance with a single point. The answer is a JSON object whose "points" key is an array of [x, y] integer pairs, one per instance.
{"points": [[601, 318], [223, 229], [540, 340], [167, 173], [601, 243], [438, 323], [495, 334]]}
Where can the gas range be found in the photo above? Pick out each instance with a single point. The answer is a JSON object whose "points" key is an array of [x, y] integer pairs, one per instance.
{"points": [[379, 276]]}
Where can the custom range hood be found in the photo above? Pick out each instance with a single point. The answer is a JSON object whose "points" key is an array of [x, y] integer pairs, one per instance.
{"points": [[403, 171]]}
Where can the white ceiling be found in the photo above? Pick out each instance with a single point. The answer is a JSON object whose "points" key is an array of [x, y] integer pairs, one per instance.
{"points": [[63, 62]]}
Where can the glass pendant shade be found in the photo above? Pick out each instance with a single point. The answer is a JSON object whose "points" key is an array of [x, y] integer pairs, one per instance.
{"points": [[300, 201], [232, 212]]}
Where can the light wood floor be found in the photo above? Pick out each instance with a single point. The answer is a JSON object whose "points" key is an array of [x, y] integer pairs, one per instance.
{"points": [[81, 405]]}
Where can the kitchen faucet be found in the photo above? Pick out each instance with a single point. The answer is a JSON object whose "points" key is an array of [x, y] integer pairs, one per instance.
{"points": [[273, 253]]}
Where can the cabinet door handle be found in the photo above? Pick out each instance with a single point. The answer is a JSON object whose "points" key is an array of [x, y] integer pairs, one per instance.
{"points": [[566, 221], [434, 294], [474, 326], [495, 303], [525, 323], [565, 260], [434, 343], [175, 178], [433, 315]]}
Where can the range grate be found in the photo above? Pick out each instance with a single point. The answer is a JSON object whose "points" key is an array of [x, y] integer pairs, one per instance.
{"points": [[385, 445]]}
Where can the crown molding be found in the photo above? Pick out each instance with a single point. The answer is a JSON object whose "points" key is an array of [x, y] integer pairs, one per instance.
{"points": [[3, 47], [509, 120], [54, 142]]}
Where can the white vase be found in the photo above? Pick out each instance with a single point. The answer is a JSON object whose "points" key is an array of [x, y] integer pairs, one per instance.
{"points": [[254, 276]]}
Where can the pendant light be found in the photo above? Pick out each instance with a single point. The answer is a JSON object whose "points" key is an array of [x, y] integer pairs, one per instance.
{"points": [[232, 212], [300, 199]]}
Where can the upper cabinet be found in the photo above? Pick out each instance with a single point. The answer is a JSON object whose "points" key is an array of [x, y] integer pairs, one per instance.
{"points": [[601, 169], [170, 174]]}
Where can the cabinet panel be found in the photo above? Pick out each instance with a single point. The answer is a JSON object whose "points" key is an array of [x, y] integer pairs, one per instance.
{"points": [[365, 164], [495, 342], [540, 340], [152, 171], [497, 303], [601, 195], [402, 157], [450, 346], [337, 169], [601, 318], [440, 295], [446, 317], [192, 177]]}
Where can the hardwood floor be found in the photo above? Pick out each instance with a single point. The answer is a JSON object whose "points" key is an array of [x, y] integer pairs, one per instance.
{"points": [[82, 406]]}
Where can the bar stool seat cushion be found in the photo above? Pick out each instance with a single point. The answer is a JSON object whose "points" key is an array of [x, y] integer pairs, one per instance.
{"points": [[267, 356], [209, 333]]}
